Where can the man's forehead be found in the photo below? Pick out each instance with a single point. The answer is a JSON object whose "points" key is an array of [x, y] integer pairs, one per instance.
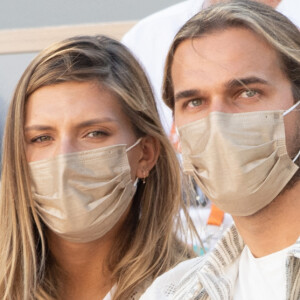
{"points": [[238, 52]]}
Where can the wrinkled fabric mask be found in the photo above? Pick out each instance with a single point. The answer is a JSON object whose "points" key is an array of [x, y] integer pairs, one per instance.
{"points": [[81, 196], [239, 160]]}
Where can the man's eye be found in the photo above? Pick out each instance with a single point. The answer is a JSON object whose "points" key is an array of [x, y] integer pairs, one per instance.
{"points": [[41, 139], [194, 103], [249, 93]]}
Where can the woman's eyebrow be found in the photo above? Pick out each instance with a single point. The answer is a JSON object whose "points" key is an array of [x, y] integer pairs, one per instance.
{"points": [[38, 128], [97, 121]]}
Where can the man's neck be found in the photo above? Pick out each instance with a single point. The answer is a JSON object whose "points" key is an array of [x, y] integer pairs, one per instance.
{"points": [[275, 227]]}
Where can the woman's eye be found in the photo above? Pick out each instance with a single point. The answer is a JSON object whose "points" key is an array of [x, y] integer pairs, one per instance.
{"points": [[41, 139], [249, 93], [194, 103], [96, 133]]}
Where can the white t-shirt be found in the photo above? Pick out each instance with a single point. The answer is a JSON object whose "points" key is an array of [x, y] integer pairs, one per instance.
{"points": [[261, 278]]}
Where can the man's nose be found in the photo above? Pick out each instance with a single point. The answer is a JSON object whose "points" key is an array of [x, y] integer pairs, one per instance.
{"points": [[220, 104]]}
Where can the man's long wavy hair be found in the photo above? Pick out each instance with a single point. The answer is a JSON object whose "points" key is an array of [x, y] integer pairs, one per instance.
{"points": [[147, 245], [261, 19]]}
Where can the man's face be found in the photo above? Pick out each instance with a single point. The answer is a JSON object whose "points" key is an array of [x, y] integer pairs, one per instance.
{"points": [[231, 71]]}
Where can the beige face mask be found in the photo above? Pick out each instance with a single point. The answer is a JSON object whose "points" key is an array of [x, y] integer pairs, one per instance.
{"points": [[81, 196], [239, 160]]}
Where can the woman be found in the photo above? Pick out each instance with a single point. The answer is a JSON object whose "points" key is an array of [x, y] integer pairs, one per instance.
{"points": [[90, 184]]}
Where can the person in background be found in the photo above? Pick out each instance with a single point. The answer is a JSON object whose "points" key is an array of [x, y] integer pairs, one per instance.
{"points": [[232, 78], [91, 187]]}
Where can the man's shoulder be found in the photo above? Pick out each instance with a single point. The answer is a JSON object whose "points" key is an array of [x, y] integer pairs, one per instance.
{"points": [[166, 285], [214, 271]]}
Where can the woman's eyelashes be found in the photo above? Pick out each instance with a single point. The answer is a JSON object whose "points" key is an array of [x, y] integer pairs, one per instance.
{"points": [[41, 139], [97, 134], [46, 138]]}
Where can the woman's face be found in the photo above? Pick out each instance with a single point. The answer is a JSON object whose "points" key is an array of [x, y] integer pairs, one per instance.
{"points": [[76, 116]]}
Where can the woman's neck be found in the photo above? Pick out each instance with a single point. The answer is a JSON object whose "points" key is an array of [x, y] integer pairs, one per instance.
{"points": [[85, 274]]}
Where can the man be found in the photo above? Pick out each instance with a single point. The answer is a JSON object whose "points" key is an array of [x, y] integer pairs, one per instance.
{"points": [[151, 38], [233, 82]]}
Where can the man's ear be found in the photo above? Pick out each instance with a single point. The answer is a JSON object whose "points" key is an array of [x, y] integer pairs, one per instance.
{"points": [[150, 152]]}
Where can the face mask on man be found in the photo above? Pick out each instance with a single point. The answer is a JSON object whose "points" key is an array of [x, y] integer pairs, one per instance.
{"points": [[239, 160], [81, 196]]}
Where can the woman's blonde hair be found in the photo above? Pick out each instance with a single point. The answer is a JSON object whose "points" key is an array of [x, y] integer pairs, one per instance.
{"points": [[276, 29], [147, 246]]}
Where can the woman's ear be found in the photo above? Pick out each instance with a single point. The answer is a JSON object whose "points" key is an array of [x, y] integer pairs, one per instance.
{"points": [[150, 152]]}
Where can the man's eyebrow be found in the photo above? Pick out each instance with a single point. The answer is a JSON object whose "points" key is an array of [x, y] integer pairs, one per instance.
{"points": [[234, 83], [239, 82], [186, 94], [40, 127]]}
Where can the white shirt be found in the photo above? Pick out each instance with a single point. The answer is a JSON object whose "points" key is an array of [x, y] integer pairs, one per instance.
{"points": [[261, 278], [164, 287], [135, 295], [214, 276], [151, 38]]}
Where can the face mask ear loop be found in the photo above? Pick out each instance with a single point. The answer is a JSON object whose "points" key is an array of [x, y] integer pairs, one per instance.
{"points": [[128, 149], [296, 156], [291, 108], [132, 146], [287, 112], [136, 182]]}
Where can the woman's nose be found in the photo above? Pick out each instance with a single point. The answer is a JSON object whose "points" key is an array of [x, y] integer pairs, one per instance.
{"points": [[65, 145]]}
